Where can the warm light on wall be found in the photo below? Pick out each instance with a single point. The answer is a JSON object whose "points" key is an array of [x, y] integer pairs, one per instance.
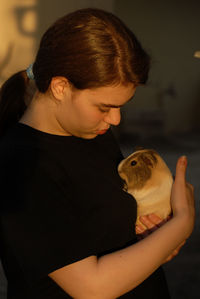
{"points": [[197, 54], [17, 35]]}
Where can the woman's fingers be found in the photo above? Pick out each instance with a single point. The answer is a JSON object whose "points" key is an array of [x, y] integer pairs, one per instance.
{"points": [[181, 166], [146, 221], [174, 253], [190, 187], [182, 197], [156, 219], [139, 229], [182, 192], [178, 188], [152, 221], [149, 223]]}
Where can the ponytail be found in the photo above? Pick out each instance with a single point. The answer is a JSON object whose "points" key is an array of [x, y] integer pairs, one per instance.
{"points": [[12, 100]]}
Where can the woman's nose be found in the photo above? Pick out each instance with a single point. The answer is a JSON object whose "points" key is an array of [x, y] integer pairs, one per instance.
{"points": [[113, 117]]}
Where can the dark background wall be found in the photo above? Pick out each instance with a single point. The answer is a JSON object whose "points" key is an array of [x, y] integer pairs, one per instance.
{"points": [[169, 31]]}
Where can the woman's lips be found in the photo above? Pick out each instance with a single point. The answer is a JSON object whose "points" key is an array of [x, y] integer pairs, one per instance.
{"points": [[101, 132]]}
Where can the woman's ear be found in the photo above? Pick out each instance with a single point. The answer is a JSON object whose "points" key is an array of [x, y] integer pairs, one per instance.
{"points": [[59, 87]]}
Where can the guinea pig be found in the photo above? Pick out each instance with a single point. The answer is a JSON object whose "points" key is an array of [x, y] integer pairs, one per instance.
{"points": [[148, 179]]}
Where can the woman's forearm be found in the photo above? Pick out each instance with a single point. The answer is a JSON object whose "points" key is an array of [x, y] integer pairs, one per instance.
{"points": [[121, 271], [114, 274]]}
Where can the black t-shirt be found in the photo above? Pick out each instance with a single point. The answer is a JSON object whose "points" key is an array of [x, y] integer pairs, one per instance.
{"points": [[62, 201]]}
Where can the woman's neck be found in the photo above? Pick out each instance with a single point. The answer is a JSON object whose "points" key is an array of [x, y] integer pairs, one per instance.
{"points": [[40, 114]]}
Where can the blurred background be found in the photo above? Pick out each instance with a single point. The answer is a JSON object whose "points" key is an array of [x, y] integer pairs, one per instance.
{"points": [[164, 115]]}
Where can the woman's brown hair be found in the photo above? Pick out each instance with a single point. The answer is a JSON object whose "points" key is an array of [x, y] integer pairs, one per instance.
{"points": [[90, 47]]}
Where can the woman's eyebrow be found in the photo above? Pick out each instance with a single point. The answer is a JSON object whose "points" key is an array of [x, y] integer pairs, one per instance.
{"points": [[110, 105], [114, 106]]}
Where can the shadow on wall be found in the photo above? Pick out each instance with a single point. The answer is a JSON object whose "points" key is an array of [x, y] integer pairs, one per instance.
{"points": [[6, 60], [28, 19], [18, 46], [23, 16]]}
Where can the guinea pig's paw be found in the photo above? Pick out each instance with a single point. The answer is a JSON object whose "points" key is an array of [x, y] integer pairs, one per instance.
{"points": [[125, 187]]}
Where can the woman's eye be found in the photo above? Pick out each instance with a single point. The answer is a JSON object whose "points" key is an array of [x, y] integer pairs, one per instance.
{"points": [[103, 110]]}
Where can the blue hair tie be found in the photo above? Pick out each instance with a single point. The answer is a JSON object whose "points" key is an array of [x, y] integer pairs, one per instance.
{"points": [[29, 72]]}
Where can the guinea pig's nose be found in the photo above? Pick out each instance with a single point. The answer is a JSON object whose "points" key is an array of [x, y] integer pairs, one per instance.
{"points": [[133, 163]]}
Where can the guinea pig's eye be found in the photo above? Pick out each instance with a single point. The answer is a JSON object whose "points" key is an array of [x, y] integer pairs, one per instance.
{"points": [[133, 163]]}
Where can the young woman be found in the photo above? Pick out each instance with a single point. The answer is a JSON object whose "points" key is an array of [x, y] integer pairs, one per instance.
{"points": [[67, 226]]}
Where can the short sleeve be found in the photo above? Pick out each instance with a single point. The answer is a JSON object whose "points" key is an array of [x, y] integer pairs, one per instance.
{"points": [[39, 220], [53, 214]]}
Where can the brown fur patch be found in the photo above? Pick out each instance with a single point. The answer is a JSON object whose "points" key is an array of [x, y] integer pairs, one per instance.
{"points": [[138, 174]]}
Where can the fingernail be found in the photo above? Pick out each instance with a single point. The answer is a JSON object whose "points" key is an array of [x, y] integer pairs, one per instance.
{"points": [[139, 230], [183, 160]]}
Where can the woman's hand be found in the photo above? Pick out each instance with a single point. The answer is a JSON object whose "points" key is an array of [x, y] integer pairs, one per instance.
{"points": [[182, 196], [182, 202], [150, 223]]}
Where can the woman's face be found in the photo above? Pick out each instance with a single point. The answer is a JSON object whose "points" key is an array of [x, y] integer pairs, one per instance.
{"points": [[90, 112]]}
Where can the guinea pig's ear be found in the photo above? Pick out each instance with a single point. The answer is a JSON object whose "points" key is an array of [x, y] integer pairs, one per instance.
{"points": [[148, 161], [138, 148]]}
